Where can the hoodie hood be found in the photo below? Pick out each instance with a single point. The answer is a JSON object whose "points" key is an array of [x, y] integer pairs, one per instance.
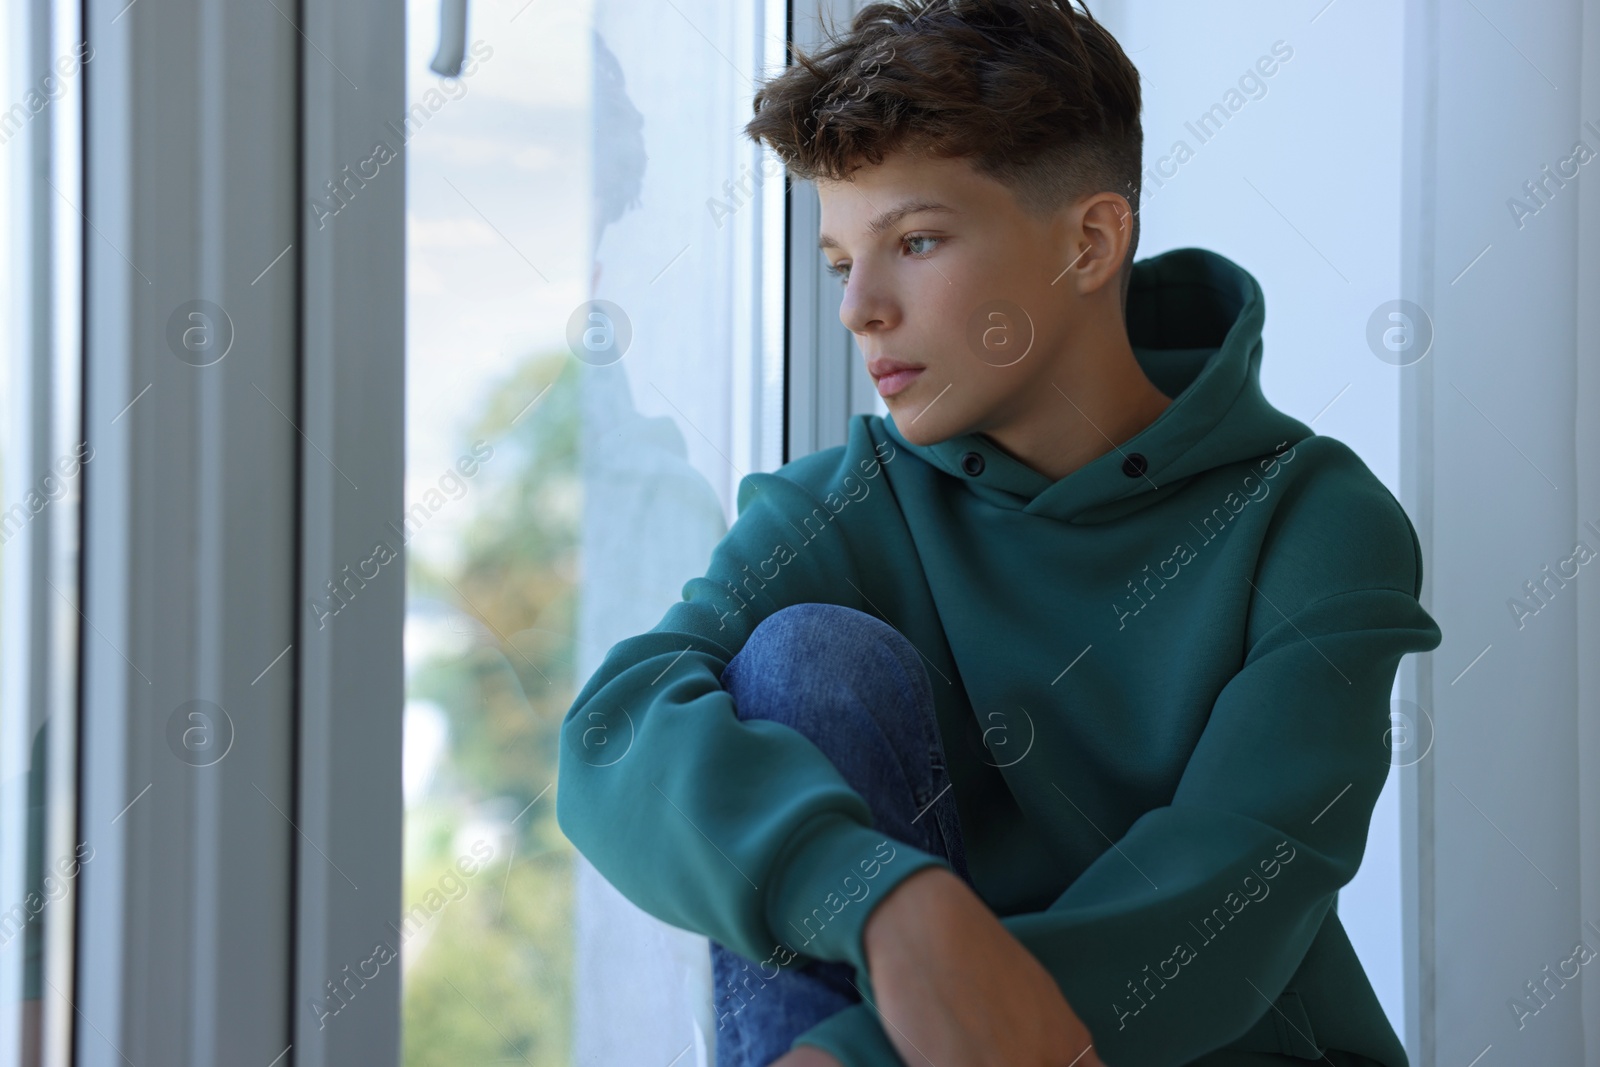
{"points": [[1194, 322]]}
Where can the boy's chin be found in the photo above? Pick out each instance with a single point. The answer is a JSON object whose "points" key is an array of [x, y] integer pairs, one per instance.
{"points": [[927, 429]]}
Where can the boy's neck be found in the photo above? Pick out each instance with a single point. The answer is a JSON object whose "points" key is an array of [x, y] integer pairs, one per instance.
{"points": [[1096, 397]]}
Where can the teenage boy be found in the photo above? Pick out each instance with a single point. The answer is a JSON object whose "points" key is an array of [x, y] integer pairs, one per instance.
{"points": [[1040, 723]]}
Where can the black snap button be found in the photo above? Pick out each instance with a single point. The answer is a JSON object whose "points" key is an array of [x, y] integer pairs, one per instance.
{"points": [[1135, 464], [972, 463]]}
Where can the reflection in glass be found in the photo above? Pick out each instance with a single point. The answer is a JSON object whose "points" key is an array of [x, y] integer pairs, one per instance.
{"points": [[42, 456], [588, 365]]}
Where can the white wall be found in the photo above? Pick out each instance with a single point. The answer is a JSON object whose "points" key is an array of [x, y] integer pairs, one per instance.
{"points": [[1301, 187]]}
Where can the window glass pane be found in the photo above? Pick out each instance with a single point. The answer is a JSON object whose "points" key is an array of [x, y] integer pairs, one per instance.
{"points": [[591, 343], [41, 463]]}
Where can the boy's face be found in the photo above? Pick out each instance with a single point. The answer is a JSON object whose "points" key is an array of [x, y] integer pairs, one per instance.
{"points": [[988, 300]]}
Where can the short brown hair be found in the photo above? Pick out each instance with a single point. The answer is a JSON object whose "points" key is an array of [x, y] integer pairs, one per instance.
{"points": [[1036, 93]]}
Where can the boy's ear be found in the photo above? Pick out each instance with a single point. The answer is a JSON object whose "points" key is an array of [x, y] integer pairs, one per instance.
{"points": [[1100, 243]]}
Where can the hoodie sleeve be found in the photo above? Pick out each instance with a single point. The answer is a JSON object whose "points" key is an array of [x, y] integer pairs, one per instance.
{"points": [[1180, 935], [736, 830]]}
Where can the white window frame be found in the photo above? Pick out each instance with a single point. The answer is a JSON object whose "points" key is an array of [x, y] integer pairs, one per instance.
{"points": [[221, 899], [1515, 721], [827, 375]]}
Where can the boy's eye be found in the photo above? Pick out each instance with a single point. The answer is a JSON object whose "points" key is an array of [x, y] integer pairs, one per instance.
{"points": [[843, 272]]}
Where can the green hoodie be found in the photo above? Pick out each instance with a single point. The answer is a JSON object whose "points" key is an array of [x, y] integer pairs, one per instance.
{"points": [[1163, 684]]}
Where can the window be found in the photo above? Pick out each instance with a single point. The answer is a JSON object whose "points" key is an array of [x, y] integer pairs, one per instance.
{"points": [[538, 344], [594, 361], [42, 460]]}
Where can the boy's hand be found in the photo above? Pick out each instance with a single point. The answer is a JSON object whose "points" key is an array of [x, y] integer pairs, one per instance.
{"points": [[956, 989]]}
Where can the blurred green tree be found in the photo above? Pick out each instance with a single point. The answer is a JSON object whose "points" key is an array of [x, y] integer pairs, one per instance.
{"points": [[489, 978]]}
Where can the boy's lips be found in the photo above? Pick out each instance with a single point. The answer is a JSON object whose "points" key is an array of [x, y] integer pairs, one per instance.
{"points": [[892, 375], [893, 382]]}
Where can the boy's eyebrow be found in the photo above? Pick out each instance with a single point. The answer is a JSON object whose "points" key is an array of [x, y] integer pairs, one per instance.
{"points": [[889, 218]]}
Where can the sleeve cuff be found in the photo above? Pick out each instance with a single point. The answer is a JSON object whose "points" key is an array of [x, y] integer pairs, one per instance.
{"points": [[855, 1037], [832, 877]]}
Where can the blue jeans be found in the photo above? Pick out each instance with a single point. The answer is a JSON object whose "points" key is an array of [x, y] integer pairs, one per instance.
{"points": [[856, 688]]}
